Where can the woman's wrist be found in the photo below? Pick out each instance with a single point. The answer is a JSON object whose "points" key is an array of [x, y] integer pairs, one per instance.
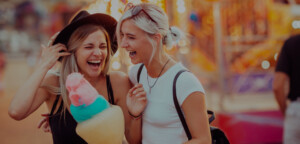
{"points": [[135, 117]]}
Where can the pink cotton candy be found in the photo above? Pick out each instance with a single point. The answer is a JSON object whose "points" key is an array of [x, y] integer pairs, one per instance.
{"points": [[80, 90]]}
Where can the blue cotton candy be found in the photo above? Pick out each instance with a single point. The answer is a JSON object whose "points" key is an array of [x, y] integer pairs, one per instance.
{"points": [[83, 112]]}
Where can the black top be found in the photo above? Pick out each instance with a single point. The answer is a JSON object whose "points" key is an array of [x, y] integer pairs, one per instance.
{"points": [[63, 126], [289, 63]]}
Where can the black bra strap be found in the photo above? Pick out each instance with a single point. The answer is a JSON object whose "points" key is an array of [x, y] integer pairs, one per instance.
{"points": [[110, 92], [54, 105]]}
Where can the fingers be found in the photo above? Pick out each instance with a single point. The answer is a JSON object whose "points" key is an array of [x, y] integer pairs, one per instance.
{"points": [[137, 91], [45, 115], [42, 122], [46, 127], [59, 49], [50, 43], [141, 94], [136, 88], [64, 54]]}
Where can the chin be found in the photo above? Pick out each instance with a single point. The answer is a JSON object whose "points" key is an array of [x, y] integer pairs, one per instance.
{"points": [[94, 74], [135, 61]]}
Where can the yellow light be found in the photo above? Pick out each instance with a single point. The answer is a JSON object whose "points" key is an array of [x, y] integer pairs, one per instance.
{"points": [[184, 50], [182, 43]]}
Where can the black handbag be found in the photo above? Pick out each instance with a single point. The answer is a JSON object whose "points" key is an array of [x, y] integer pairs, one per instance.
{"points": [[217, 135]]}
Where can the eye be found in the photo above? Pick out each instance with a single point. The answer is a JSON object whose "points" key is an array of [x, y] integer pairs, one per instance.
{"points": [[88, 47], [130, 37], [103, 47]]}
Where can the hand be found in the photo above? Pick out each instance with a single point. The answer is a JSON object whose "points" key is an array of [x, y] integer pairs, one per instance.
{"points": [[45, 123], [136, 100], [51, 53], [51, 40]]}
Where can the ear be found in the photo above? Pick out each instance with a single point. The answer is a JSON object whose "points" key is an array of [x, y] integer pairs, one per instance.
{"points": [[157, 37]]}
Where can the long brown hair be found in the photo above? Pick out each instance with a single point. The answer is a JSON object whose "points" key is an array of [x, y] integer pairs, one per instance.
{"points": [[69, 63]]}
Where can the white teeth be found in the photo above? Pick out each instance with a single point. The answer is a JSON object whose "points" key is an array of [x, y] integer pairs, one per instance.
{"points": [[95, 62]]}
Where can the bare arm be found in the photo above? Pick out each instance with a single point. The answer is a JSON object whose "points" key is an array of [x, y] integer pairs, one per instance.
{"points": [[29, 96], [281, 89], [132, 126], [136, 101], [195, 111]]}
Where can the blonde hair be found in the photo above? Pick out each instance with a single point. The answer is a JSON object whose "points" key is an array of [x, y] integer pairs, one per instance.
{"points": [[161, 26], [69, 63]]}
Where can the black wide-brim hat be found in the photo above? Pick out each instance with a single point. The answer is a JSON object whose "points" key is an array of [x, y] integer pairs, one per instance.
{"points": [[83, 18]]}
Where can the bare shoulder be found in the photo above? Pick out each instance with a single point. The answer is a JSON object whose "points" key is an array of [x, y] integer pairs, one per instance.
{"points": [[51, 79], [120, 83], [119, 77]]}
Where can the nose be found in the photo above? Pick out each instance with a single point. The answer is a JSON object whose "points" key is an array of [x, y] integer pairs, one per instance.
{"points": [[124, 43], [97, 52]]}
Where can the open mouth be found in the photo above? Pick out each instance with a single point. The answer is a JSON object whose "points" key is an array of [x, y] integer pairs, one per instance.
{"points": [[94, 64], [132, 53]]}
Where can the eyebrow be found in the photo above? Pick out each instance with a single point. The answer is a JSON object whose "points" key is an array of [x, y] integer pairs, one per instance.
{"points": [[86, 44], [103, 43], [129, 34]]}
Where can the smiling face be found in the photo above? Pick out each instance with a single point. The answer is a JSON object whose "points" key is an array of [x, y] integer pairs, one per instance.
{"points": [[92, 53], [135, 41]]}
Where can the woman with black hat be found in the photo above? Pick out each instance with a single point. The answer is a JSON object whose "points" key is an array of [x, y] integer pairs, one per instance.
{"points": [[86, 46]]}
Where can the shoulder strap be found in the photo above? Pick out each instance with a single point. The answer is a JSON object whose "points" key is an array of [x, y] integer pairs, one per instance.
{"points": [[54, 105], [183, 122], [179, 112], [110, 92], [139, 72], [212, 117]]}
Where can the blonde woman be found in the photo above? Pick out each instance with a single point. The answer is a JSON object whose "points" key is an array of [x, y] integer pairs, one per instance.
{"points": [[85, 46], [143, 31]]}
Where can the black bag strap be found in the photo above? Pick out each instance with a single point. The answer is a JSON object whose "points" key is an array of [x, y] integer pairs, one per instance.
{"points": [[139, 72], [212, 117], [183, 122], [180, 114]]}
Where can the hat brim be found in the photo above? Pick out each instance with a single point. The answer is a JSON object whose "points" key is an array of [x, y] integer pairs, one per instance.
{"points": [[104, 20]]}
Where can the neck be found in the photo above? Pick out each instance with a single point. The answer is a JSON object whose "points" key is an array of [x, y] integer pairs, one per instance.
{"points": [[94, 80], [157, 66]]}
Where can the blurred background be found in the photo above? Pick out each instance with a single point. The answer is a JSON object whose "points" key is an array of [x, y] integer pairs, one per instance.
{"points": [[231, 46]]}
